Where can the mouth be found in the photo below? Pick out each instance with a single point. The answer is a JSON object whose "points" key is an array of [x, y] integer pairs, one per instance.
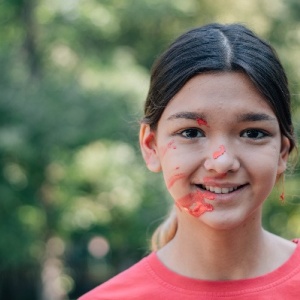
{"points": [[220, 190]]}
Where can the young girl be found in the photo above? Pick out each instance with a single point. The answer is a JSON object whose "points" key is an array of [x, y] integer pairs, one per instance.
{"points": [[218, 126]]}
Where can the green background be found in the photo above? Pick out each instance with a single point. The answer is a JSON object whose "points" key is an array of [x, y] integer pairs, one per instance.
{"points": [[77, 204]]}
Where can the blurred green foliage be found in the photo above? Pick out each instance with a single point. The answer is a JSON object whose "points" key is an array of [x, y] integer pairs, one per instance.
{"points": [[77, 204]]}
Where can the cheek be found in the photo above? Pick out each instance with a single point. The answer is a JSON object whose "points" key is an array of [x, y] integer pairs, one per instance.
{"points": [[263, 170], [166, 148], [175, 163], [178, 163], [174, 178], [175, 172]]}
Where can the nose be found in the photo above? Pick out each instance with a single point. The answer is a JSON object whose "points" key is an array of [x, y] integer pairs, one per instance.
{"points": [[222, 160]]}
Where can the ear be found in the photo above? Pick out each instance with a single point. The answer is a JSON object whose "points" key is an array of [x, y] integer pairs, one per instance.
{"points": [[149, 148], [284, 155]]}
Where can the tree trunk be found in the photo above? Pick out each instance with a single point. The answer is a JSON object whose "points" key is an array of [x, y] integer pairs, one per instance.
{"points": [[32, 54]]}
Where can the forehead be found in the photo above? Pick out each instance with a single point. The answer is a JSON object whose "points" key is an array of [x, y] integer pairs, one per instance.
{"points": [[220, 95]]}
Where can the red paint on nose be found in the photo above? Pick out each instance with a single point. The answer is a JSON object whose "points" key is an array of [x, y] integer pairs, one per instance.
{"points": [[220, 152]]}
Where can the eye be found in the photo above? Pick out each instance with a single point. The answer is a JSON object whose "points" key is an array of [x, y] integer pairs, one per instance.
{"points": [[192, 133], [254, 134]]}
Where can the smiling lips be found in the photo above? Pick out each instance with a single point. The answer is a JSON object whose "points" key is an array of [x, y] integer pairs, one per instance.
{"points": [[219, 190], [194, 203], [209, 184]]}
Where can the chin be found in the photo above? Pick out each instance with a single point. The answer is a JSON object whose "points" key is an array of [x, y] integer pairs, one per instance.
{"points": [[218, 223]]}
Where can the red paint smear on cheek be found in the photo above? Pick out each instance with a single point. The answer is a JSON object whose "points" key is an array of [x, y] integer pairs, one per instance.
{"points": [[194, 203], [170, 145], [174, 178], [202, 122], [220, 152]]}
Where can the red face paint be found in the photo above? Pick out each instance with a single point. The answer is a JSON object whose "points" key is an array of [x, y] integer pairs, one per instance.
{"points": [[220, 152], [282, 197], [202, 122], [170, 145], [194, 203], [174, 178], [149, 137]]}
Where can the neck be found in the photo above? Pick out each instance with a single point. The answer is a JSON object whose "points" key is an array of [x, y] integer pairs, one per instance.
{"points": [[200, 251]]}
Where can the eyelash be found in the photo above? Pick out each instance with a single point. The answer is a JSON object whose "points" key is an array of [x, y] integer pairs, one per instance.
{"points": [[198, 133], [262, 134], [184, 133]]}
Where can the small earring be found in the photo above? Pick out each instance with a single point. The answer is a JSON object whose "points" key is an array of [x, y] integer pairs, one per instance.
{"points": [[282, 195]]}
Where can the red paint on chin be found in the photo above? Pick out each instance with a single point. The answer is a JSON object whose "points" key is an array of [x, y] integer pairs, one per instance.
{"points": [[170, 145], [174, 178], [194, 203], [220, 152], [200, 122]]}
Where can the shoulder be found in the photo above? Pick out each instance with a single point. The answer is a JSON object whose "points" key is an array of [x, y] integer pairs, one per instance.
{"points": [[132, 282]]}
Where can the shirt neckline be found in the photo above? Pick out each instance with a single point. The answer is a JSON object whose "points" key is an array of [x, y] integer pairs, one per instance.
{"points": [[173, 280]]}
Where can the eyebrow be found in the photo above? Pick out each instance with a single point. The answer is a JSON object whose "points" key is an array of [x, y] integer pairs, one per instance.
{"points": [[252, 117], [187, 115], [248, 117]]}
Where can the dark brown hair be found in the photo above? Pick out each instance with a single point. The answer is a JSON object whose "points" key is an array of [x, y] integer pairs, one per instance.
{"points": [[220, 48]]}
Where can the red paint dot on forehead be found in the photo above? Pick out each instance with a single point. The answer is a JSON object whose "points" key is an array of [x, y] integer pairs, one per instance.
{"points": [[200, 122]]}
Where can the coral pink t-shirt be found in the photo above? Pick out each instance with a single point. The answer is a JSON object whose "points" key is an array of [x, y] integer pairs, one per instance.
{"points": [[149, 279]]}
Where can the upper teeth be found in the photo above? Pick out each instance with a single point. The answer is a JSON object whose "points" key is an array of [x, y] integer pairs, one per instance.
{"points": [[219, 190]]}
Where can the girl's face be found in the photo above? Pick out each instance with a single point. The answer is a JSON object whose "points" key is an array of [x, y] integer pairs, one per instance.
{"points": [[220, 149]]}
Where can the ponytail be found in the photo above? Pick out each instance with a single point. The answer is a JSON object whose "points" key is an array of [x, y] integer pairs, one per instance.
{"points": [[165, 232]]}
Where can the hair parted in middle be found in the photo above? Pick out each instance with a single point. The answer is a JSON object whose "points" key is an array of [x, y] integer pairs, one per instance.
{"points": [[219, 48]]}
